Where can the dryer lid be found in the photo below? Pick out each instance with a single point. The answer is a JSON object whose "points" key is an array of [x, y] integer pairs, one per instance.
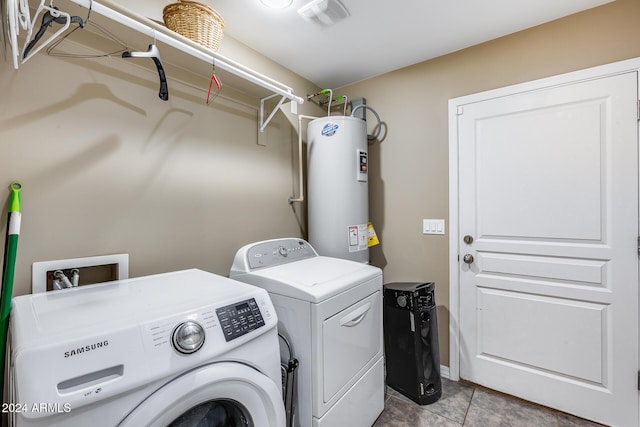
{"points": [[312, 279]]}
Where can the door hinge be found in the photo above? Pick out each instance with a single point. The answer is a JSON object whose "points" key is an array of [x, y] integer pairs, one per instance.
{"points": [[638, 245], [638, 380], [638, 109]]}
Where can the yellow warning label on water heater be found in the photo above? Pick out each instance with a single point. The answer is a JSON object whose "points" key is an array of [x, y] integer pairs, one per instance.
{"points": [[372, 237]]}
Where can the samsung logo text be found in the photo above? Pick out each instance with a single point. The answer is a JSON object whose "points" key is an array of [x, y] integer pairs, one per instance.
{"points": [[86, 348]]}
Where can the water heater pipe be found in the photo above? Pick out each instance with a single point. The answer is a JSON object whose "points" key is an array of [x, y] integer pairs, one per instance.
{"points": [[375, 113], [300, 197], [346, 101], [330, 92], [323, 92]]}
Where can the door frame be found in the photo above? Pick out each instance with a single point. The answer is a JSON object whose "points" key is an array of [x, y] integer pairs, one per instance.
{"points": [[456, 105]]}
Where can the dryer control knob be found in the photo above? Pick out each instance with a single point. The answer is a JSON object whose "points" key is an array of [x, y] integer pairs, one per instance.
{"points": [[188, 337]]}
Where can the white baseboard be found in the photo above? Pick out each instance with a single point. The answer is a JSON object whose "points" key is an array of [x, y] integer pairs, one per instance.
{"points": [[444, 371]]}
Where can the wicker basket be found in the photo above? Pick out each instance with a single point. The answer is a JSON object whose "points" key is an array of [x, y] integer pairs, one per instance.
{"points": [[195, 21]]}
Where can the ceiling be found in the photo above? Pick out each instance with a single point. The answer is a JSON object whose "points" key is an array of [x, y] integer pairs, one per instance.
{"points": [[378, 36]]}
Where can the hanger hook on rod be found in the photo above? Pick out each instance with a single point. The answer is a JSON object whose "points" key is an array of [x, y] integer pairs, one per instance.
{"points": [[216, 80], [89, 11], [153, 53]]}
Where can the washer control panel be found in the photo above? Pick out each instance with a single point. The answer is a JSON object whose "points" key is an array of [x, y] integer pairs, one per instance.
{"points": [[239, 318], [276, 252]]}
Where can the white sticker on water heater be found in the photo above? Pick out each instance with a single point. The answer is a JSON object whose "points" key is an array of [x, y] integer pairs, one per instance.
{"points": [[363, 165], [358, 237]]}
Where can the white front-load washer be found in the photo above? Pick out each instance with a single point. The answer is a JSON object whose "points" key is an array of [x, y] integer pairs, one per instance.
{"points": [[187, 348], [331, 311]]}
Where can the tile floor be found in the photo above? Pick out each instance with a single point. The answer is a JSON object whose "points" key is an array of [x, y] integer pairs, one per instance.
{"points": [[462, 404]]}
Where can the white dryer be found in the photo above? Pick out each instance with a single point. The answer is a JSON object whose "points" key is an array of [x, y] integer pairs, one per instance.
{"points": [[331, 311], [185, 348]]}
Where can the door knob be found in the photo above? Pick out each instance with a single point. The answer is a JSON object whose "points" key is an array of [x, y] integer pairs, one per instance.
{"points": [[468, 239], [468, 258]]}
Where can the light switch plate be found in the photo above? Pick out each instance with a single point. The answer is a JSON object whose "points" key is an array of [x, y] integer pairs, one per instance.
{"points": [[433, 226]]}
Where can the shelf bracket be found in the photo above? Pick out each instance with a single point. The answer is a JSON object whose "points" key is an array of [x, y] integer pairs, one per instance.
{"points": [[264, 122]]}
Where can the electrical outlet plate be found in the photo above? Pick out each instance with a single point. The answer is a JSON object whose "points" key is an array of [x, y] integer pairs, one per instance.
{"points": [[39, 270], [433, 226]]}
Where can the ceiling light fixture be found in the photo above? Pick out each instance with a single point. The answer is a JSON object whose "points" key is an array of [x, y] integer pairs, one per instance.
{"points": [[324, 13], [277, 4]]}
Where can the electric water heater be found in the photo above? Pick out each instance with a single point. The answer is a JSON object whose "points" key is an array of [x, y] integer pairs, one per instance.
{"points": [[337, 187]]}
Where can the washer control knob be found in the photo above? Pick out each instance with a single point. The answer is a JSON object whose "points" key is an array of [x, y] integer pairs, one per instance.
{"points": [[402, 301], [188, 337], [283, 251]]}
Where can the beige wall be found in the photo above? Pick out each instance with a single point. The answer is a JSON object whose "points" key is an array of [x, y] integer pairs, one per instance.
{"points": [[107, 167], [409, 168]]}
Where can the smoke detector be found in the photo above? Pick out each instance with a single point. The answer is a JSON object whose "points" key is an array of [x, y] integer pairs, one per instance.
{"points": [[324, 12]]}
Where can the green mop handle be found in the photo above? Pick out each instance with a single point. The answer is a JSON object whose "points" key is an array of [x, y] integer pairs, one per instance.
{"points": [[11, 249]]}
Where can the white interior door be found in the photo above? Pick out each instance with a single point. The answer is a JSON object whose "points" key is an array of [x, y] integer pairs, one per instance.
{"points": [[548, 190]]}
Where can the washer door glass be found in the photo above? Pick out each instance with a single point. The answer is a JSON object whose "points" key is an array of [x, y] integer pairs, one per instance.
{"points": [[223, 394], [215, 413]]}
